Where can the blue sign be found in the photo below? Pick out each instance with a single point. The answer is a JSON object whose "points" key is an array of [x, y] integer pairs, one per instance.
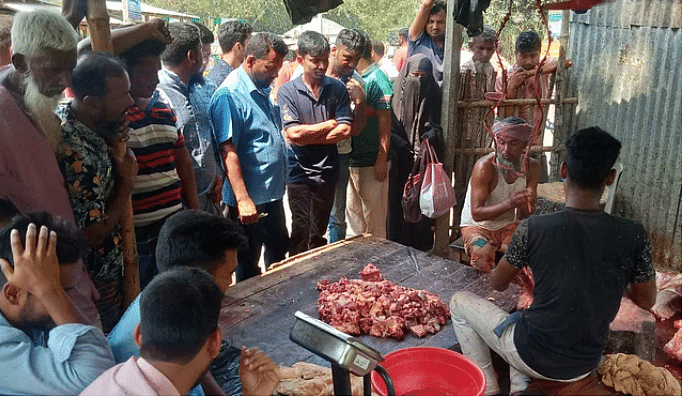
{"points": [[134, 9]]}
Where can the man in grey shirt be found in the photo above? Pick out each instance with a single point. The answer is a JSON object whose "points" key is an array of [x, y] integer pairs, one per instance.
{"points": [[181, 80]]}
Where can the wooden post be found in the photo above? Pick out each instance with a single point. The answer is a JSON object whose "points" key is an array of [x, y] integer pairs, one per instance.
{"points": [[561, 84], [98, 24], [450, 94]]}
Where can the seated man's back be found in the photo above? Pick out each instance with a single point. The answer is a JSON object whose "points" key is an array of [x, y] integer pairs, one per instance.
{"points": [[581, 260]]}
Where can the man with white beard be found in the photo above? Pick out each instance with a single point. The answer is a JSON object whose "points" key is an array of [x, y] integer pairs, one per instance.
{"points": [[44, 55]]}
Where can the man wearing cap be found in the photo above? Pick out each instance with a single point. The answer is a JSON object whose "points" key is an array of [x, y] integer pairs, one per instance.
{"points": [[501, 192]]}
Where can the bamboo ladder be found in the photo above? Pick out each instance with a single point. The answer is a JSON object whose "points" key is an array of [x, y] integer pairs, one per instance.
{"points": [[466, 139]]}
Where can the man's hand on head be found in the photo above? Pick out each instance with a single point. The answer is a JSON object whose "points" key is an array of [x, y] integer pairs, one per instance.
{"points": [[36, 268], [258, 373], [159, 29]]}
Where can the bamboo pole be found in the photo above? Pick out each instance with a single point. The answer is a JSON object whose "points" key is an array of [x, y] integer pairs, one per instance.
{"points": [[487, 150], [98, 25], [512, 102], [448, 118]]}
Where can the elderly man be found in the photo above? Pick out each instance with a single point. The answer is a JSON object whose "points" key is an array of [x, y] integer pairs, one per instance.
{"points": [[46, 347], [248, 129], [583, 261], [499, 194], [99, 184], [482, 47], [5, 41], [44, 46], [427, 35]]}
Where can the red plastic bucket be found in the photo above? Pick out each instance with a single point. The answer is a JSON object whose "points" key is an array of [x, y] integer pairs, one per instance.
{"points": [[430, 371]]}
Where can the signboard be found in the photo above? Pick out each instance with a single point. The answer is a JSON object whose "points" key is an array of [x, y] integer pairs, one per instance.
{"points": [[554, 19], [130, 10]]}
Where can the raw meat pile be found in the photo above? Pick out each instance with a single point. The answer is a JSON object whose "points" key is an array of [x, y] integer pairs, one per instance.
{"points": [[674, 347], [668, 304], [378, 307]]}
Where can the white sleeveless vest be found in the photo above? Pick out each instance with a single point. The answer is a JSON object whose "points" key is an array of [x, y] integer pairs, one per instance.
{"points": [[502, 192]]}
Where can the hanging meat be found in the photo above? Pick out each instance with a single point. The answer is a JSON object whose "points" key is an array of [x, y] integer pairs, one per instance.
{"points": [[376, 306]]}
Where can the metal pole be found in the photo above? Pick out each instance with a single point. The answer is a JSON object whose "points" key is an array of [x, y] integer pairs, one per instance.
{"points": [[559, 105]]}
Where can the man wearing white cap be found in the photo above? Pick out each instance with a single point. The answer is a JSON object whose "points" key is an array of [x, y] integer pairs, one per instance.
{"points": [[501, 192]]}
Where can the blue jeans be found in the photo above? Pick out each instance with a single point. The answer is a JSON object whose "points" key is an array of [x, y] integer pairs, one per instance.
{"points": [[146, 242], [337, 228]]}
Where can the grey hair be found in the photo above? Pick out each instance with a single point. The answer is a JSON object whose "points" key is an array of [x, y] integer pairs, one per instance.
{"points": [[35, 31], [260, 44]]}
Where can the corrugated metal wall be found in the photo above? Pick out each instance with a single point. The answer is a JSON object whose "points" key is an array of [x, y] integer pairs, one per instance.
{"points": [[627, 76]]}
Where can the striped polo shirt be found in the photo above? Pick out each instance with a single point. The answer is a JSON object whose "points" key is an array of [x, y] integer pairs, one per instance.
{"points": [[153, 137]]}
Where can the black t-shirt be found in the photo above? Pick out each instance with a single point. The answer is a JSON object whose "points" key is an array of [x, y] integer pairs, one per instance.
{"points": [[581, 263]]}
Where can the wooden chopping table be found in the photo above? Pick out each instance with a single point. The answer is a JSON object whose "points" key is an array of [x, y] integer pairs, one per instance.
{"points": [[259, 312]]}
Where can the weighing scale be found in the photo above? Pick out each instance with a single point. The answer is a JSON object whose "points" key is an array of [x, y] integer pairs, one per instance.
{"points": [[345, 353]]}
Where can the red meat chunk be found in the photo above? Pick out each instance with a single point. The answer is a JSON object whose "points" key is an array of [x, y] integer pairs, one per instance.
{"points": [[370, 273], [378, 307]]}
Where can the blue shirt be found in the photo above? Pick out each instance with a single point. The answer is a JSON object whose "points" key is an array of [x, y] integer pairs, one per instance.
{"points": [[219, 72], [313, 164], [120, 339], [191, 103], [247, 117], [61, 362], [425, 45]]}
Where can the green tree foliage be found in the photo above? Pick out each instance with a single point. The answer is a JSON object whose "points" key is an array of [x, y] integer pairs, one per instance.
{"points": [[381, 19], [524, 16]]}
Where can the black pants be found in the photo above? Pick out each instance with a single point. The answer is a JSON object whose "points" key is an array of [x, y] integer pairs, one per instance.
{"points": [[418, 235], [310, 206], [270, 232]]}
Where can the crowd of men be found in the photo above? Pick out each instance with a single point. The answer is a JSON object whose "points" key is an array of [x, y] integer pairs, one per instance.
{"points": [[207, 163]]}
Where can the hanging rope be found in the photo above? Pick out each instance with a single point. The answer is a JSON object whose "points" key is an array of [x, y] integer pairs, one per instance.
{"points": [[536, 91]]}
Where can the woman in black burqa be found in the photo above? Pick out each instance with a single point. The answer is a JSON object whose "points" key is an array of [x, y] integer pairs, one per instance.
{"points": [[416, 107]]}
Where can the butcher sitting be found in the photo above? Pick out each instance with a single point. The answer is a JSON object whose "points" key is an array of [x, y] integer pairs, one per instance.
{"points": [[582, 260], [499, 195]]}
